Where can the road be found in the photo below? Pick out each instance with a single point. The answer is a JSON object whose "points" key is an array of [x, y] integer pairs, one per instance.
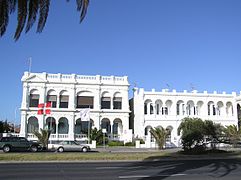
{"points": [[161, 169]]}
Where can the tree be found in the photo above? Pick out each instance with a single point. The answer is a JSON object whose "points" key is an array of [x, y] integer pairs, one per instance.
{"points": [[43, 137], [97, 135], [213, 132], [159, 134], [233, 133], [192, 133], [28, 11]]}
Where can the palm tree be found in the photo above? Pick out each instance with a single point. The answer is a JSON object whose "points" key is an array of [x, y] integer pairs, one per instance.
{"points": [[28, 11], [233, 133], [159, 134], [43, 137]]}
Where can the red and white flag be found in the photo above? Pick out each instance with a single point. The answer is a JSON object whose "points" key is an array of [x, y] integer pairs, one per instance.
{"points": [[85, 114], [44, 108]]}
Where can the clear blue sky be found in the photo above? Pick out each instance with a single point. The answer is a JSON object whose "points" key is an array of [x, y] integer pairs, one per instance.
{"points": [[154, 42]]}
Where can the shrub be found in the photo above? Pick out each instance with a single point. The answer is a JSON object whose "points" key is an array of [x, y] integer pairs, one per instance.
{"points": [[130, 144], [115, 143]]}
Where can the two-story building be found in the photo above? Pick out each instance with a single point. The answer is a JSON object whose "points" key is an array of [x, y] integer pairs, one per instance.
{"points": [[152, 109], [105, 96]]}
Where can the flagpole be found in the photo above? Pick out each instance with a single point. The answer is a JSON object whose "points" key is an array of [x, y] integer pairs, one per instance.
{"points": [[89, 128], [30, 64]]}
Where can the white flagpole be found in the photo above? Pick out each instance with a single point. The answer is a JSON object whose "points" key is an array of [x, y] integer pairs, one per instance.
{"points": [[30, 64]]}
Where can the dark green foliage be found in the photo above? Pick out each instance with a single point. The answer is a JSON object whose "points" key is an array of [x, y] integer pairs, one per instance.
{"points": [[115, 143], [4, 126], [233, 134], [97, 135], [159, 133], [43, 137], [196, 133], [130, 144], [28, 11]]}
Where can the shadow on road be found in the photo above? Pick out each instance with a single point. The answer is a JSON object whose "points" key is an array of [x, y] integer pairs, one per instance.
{"points": [[164, 167]]}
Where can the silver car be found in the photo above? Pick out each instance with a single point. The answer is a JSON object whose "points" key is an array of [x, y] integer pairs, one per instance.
{"points": [[69, 146]]}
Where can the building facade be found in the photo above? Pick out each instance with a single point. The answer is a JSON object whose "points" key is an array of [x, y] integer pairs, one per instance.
{"points": [[105, 96], [167, 109]]}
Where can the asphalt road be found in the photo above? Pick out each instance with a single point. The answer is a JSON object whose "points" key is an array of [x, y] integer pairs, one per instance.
{"points": [[161, 169]]}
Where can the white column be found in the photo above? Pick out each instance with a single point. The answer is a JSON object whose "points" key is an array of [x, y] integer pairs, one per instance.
{"points": [[72, 98], [42, 98], [71, 122], [25, 96], [41, 121], [23, 128]]}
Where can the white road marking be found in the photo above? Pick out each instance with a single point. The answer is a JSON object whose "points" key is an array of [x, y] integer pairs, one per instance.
{"points": [[109, 167], [147, 176]]}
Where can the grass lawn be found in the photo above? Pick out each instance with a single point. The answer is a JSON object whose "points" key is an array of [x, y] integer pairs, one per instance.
{"points": [[108, 156], [75, 156]]}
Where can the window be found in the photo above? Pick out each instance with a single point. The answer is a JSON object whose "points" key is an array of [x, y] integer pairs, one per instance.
{"points": [[85, 102], [214, 110], [157, 109], [105, 103], [145, 108], [208, 109], [63, 101], [117, 102], [164, 111], [151, 109], [53, 100], [178, 109], [33, 100]]}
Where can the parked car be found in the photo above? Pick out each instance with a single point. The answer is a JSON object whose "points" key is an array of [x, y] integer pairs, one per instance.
{"points": [[8, 144], [69, 146]]}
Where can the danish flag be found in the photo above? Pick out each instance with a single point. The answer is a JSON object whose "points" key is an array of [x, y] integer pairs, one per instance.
{"points": [[44, 108]]}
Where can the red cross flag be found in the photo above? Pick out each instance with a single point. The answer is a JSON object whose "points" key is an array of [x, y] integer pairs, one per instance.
{"points": [[44, 108]]}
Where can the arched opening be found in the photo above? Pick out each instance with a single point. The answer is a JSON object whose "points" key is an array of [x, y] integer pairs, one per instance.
{"points": [[229, 109], [105, 100], [158, 104], [147, 107], [180, 108], [32, 125], [117, 127], [52, 97], [64, 99], [211, 108], [220, 108], [51, 124], [63, 126], [169, 133], [105, 124], [199, 108], [191, 110], [117, 101], [239, 114], [85, 99], [34, 98]]}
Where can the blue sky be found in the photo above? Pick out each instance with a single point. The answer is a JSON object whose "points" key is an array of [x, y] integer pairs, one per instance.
{"points": [[154, 43]]}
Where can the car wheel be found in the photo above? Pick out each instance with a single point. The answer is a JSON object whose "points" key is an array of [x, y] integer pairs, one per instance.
{"points": [[34, 149], [60, 149], [6, 149], [84, 149]]}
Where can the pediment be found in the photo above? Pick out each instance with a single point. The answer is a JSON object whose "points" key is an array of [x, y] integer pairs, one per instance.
{"points": [[34, 78]]}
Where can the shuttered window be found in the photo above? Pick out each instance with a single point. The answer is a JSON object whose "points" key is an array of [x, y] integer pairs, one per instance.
{"points": [[85, 102], [105, 103], [63, 101], [52, 99], [33, 100], [117, 103]]}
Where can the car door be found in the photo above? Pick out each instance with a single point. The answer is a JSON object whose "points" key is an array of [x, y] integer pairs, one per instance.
{"points": [[75, 146], [23, 143]]}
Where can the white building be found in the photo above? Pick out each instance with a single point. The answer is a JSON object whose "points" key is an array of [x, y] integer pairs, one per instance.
{"points": [[106, 96], [167, 109]]}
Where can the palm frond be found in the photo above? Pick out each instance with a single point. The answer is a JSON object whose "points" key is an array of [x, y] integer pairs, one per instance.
{"points": [[82, 6], [44, 10], [12, 6], [33, 6], [4, 8], [22, 15]]}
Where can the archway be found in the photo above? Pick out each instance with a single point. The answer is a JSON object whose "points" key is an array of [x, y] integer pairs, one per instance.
{"points": [[63, 126], [32, 125]]}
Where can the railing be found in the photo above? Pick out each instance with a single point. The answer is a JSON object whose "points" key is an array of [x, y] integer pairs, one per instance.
{"points": [[80, 136]]}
